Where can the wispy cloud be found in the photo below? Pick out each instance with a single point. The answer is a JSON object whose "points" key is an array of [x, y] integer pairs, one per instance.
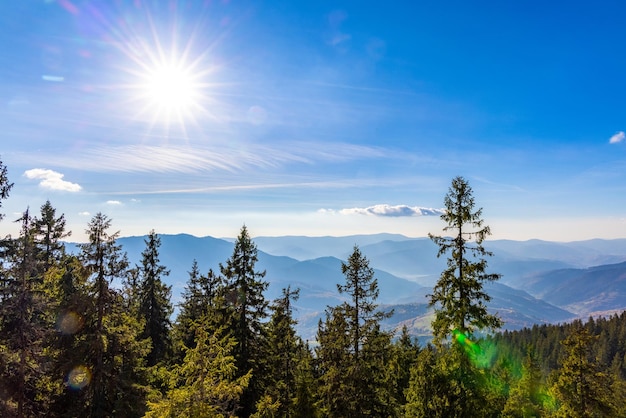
{"points": [[114, 203], [85, 213], [337, 36], [186, 159], [617, 138], [52, 180], [388, 210]]}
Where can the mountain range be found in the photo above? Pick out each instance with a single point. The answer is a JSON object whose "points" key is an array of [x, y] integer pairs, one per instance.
{"points": [[542, 281]]}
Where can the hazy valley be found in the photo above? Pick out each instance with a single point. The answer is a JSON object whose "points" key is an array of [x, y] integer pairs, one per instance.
{"points": [[542, 282]]}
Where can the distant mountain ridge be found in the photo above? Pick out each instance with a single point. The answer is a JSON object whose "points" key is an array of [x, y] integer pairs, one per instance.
{"points": [[542, 281]]}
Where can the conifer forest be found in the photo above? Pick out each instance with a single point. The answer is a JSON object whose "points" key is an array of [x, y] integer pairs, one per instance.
{"points": [[86, 334]]}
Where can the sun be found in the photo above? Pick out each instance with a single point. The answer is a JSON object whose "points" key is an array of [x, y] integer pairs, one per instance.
{"points": [[168, 74], [171, 88], [171, 92]]}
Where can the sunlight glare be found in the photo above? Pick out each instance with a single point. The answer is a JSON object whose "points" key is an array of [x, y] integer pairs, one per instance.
{"points": [[171, 89]]}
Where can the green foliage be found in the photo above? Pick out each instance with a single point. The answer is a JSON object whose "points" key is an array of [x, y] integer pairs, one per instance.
{"points": [[281, 357], [5, 185], [49, 231], [581, 389], [154, 306], [304, 403], [202, 300], [24, 328], [353, 353], [528, 396], [207, 384], [109, 344], [267, 407], [73, 344], [458, 296], [246, 312], [404, 354]]}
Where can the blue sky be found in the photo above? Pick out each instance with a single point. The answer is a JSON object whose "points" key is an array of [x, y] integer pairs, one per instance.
{"points": [[316, 118]]}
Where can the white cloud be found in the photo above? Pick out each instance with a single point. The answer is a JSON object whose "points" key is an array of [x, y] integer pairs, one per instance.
{"points": [[52, 180], [388, 210], [617, 138], [114, 202], [84, 213], [184, 159]]}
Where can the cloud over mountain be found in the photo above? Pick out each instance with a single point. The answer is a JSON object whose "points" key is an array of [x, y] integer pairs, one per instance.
{"points": [[390, 210], [52, 180]]}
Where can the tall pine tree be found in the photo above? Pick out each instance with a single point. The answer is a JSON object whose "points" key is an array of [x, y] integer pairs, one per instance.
{"points": [[453, 385], [112, 350], [245, 298], [458, 297], [354, 353], [283, 344], [154, 304], [23, 328]]}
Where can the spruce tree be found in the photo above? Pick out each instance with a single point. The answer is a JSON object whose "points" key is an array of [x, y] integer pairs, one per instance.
{"points": [[154, 304], [305, 402], [527, 397], [5, 185], [336, 389], [404, 355], [354, 353], [70, 290], [581, 388], [24, 366], [50, 230], [458, 297], [429, 388], [247, 306], [202, 300], [454, 385], [207, 383], [282, 353], [112, 350]]}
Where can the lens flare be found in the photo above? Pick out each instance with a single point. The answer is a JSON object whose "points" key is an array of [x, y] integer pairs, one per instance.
{"points": [[69, 322], [79, 377], [482, 356]]}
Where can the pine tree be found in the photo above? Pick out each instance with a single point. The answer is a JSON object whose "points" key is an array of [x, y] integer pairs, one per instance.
{"points": [[429, 388], [207, 384], [354, 353], [362, 288], [581, 388], [5, 185], [455, 384], [23, 328], [281, 354], [245, 298], [305, 405], [404, 355], [202, 300], [154, 304], [69, 288], [458, 296], [527, 397], [111, 347], [445, 384], [50, 231], [334, 365]]}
